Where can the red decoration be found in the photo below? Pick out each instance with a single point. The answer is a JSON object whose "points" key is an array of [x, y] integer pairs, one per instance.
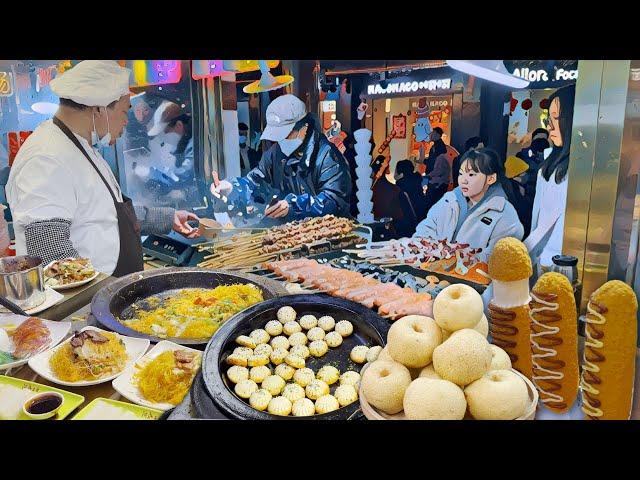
{"points": [[15, 141], [400, 126], [544, 104], [527, 104], [513, 105]]}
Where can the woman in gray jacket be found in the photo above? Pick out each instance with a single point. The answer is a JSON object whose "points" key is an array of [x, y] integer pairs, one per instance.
{"points": [[478, 211]]}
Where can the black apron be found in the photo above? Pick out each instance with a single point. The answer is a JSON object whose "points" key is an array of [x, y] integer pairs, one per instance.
{"points": [[130, 257]]}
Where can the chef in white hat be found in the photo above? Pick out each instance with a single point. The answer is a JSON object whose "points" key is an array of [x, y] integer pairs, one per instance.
{"points": [[304, 171], [64, 199]]}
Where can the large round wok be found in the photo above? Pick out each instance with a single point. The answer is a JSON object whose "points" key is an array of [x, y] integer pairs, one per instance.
{"points": [[116, 299]]}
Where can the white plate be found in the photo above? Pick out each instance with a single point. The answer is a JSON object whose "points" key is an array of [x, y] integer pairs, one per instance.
{"points": [[135, 348], [68, 286], [51, 298], [58, 331], [125, 386]]}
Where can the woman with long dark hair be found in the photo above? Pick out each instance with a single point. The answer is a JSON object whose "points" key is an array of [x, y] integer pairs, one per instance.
{"points": [[479, 211], [547, 218]]}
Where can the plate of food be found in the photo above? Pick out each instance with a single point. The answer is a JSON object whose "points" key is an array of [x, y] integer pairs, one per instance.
{"points": [[69, 273], [22, 338], [107, 409], [15, 392], [91, 356], [162, 377]]}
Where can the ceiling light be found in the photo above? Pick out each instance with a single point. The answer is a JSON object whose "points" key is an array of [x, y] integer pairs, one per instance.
{"points": [[491, 70]]}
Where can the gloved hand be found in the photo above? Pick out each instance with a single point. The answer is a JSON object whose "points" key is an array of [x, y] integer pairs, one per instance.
{"points": [[220, 187]]}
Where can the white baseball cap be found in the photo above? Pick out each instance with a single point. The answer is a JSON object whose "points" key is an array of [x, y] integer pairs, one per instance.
{"points": [[94, 83], [282, 115]]}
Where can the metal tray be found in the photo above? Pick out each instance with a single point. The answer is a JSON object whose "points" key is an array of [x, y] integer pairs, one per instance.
{"points": [[369, 329]]}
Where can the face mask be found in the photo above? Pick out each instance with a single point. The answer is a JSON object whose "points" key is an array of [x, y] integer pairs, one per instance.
{"points": [[242, 139], [288, 146], [95, 139], [172, 139], [539, 144]]}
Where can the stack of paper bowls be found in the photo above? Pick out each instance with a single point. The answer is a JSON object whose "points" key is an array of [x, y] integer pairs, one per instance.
{"points": [[363, 174]]}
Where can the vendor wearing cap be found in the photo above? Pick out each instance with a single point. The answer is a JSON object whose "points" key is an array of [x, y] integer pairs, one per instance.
{"points": [[306, 171], [64, 198]]}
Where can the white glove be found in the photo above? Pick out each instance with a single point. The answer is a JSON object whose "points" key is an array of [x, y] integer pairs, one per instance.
{"points": [[224, 188]]}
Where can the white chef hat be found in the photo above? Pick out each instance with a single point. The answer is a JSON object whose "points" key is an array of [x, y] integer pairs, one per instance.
{"points": [[95, 83]]}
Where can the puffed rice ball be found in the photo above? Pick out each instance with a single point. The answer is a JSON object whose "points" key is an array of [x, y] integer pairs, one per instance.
{"points": [[260, 336], [372, 354], [350, 378], [278, 355], [344, 328], [295, 361], [326, 403], [236, 359], [260, 399], [318, 348], [263, 349], [280, 406], [300, 350], [285, 371], [257, 360], [280, 342], [316, 389], [245, 388], [291, 327], [247, 352], [258, 374], [273, 384], [273, 328], [293, 392], [359, 353], [303, 408], [303, 377], [346, 394], [245, 341], [298, 338], [308, 321], [316, 333], [286, 314], [237, 374], [326, 323], [333, 339], [328, 374]]}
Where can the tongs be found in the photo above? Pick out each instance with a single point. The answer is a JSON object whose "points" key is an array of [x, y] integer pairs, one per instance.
{"points": [[12, 307]]}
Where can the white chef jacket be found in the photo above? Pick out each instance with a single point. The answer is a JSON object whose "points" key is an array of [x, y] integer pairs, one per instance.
{"points": [[50, 178]]}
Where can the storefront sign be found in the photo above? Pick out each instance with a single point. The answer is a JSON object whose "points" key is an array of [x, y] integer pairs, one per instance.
{"points": [[545, 76], [409, 86], [544, 73], [206, 69], [6, 84]]}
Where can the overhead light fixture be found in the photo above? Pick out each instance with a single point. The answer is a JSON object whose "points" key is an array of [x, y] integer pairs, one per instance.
{"points": [[491, 70], [267, 81], [44, 108]]}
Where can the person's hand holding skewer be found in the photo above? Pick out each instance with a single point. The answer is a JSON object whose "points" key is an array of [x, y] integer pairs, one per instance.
{"points": [[277, 209]]}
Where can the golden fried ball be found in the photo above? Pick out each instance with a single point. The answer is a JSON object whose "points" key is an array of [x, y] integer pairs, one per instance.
{"points": [[318, 348], [510, 261], [273, 384], [245, 341], [280, 406], [260, 336], [350, 378], [346, 394], [245, 388], [291, 327], [260, 399], [304, 376], [303, 408], [258, 374], [326, 323], [328, 374], [359, 353], [273, 328], [333, 339], [295, 361], [300, 350], [316, 333], [245, 351], [326, 403], [344, 328], [372, 354], [298, 338], [237, 359], [257, 360], [293, 392], [285, 371], [278, 355], [280, 342], [308, 321], [236, 374], [316, 389], [263, 349], [286, 314]]}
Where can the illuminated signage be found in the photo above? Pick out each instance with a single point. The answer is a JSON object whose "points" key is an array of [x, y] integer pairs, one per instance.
{"points": [[6, 84], [409, 87], [544, 76], [206, 69]]}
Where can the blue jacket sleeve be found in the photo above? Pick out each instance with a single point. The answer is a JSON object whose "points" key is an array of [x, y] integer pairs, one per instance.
{"points": [[257, 181]]}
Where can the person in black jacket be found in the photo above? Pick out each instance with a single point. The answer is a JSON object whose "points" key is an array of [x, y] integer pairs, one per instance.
{"points": [[307, 173], [389, 201], [438, 148], [411, 184]]}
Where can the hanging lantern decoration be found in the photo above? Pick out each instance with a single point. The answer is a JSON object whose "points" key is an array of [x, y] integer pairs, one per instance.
{"points": [[526, 105], [544, 104], [513, 105]]}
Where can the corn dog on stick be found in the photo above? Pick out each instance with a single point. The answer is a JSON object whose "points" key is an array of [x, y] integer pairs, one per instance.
{"points": [[510, 269], [554, 341], [608, 367]]}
